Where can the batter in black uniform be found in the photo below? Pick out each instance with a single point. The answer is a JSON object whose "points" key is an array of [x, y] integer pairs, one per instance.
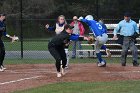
{"points": [[2, 33], [57, 44]]}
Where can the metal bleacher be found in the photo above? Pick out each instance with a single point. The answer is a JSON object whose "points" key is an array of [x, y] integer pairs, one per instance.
{"points": [[115, 48]]}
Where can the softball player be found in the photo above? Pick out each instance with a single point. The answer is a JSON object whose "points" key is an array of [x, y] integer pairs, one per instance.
{"points": [[101, 21], [56, 47], [58, 28], [3, 33], [100, 35]]}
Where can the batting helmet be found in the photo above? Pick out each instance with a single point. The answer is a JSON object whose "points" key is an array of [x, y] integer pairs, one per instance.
{"points": [[89, 17]]}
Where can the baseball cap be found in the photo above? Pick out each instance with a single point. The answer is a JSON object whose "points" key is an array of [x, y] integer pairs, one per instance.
{"points": [[127, 14], [68, 26]]}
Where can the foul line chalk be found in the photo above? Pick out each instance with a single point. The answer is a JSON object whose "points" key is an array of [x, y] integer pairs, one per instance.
{"points": [[29, 72], [22, 79]]}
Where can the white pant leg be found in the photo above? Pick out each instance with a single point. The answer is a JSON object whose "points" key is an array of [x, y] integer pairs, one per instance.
{"points": [[97, 46], [100, 40]]}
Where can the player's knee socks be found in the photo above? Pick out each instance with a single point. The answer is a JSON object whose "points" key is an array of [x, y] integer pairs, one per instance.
{"points": [[67, 63], [67, 55], [99, 56], [103, 47]]}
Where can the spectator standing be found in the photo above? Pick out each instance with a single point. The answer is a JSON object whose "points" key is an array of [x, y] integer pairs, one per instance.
{"points": [[58, 28], [78, 30]]}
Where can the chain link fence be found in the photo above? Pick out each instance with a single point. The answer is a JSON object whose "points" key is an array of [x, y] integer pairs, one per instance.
{"points": [[36, 38]]}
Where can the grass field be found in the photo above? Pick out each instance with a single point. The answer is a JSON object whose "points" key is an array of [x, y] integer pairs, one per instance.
{"points": [[85, 87], [32, 45]]}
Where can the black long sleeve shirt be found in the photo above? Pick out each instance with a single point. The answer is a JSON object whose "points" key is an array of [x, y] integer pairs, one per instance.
{"points": [[64, 37]]}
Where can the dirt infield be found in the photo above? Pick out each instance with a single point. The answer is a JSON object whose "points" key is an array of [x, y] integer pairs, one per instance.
{"points": [[20, 77]]}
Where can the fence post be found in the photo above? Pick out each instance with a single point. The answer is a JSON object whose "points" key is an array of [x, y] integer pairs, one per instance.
{"points": [[21, 31]]}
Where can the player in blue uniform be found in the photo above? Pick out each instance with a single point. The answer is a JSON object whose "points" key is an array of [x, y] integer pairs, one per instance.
{"points": [[100, 35], [101, 21]]}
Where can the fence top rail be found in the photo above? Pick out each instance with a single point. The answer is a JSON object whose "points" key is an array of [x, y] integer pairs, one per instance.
{"points": [[112, 26], [113, 50], [106, 44]]}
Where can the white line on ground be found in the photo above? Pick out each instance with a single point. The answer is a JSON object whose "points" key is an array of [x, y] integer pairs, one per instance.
{"points": [[30, 72], [22, 79], [29, 69]]}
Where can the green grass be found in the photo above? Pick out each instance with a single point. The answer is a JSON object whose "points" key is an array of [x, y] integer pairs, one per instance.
{"points": [[28, 61], [50, 61], [45, 61], [85, 87], [33, 45]]}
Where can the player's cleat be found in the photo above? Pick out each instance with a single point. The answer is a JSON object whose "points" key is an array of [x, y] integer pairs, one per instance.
{"points": [[108, 53], [3, 67], [63, 71], [59, 74], [102, 64]]}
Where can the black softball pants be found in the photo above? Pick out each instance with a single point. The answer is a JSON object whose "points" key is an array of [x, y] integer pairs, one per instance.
{"points": [[58, 52], [2, 53]]}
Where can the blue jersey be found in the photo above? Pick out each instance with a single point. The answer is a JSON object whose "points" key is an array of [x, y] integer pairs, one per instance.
{"points": [[96, 28], [104, 26], [2, 32]]}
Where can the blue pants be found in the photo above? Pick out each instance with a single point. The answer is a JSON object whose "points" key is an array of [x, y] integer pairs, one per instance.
{"points": [[74, 43]]}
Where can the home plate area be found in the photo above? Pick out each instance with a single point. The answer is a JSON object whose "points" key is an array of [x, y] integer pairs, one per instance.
{"points": [[25, 76]]}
